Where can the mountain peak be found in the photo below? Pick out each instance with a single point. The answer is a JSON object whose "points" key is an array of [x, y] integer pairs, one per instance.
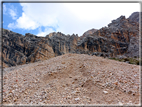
{"points": [[135, 17]]}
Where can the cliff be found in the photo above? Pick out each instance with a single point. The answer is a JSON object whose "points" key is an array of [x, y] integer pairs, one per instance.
{"points": [[135, 16], [19, 49], [119, 38], [89, 32]]}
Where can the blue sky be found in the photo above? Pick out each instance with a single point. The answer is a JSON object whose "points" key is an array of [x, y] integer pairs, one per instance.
{"points": [[43, 18], [11, 12]]}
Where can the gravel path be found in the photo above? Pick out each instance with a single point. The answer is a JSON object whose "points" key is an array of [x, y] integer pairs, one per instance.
{"points": [[73, 79]]}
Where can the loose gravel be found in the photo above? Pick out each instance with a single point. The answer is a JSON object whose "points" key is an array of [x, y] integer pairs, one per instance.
{"points": [[72, 79]]}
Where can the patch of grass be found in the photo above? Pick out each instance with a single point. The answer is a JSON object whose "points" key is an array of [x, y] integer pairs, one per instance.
{"points": [[135, 61]]}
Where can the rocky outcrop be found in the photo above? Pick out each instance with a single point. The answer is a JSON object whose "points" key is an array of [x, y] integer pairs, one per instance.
{"points": [[19, 49], [120, 37], [62, 44], [89, 32], [135, 16]]}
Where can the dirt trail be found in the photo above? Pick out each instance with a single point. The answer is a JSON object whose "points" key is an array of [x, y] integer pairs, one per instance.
{"points": [[73, 79]]}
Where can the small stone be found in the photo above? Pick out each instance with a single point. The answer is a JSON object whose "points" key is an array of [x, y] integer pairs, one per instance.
{"points": [[125, 81], [105, 92], [68, 97], [76, 99], [15, 100], [120, 103], [77, 91], [97, 80], [116, 83], [130, 102], [5, 77], [73, 92], [129, 92], [63, 62]]}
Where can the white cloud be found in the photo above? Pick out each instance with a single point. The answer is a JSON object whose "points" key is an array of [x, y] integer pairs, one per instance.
{"points": [[97, 11], [35, 15], [13, 14], [70, 18], [45, 32], [11, 26], [24, 22], [44, 14], [10, 10]]}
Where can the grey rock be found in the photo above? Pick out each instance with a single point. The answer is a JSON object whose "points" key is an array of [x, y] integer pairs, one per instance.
{"points": [[120, 38], [135, 17]]}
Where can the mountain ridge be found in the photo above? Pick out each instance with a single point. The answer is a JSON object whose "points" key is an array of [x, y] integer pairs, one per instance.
{"points": [[120, 38]]}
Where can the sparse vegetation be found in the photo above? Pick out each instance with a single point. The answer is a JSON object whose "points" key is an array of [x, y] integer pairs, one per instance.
{"points": [[135, 61]]}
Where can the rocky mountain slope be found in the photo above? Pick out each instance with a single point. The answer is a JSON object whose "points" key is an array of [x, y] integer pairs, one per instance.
{"points": [[116, 39], [135, 16], [72, 79], [19, 49], [89, 32], [120, 38]]}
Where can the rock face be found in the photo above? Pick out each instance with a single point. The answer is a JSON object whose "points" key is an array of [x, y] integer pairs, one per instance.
{"points": [[62, 44], [19, 49], [89, 32], [121, 37], [134, 16]]}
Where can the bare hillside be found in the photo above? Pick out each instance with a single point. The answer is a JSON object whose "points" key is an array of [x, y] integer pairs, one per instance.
{"points": [[73, 79]]}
